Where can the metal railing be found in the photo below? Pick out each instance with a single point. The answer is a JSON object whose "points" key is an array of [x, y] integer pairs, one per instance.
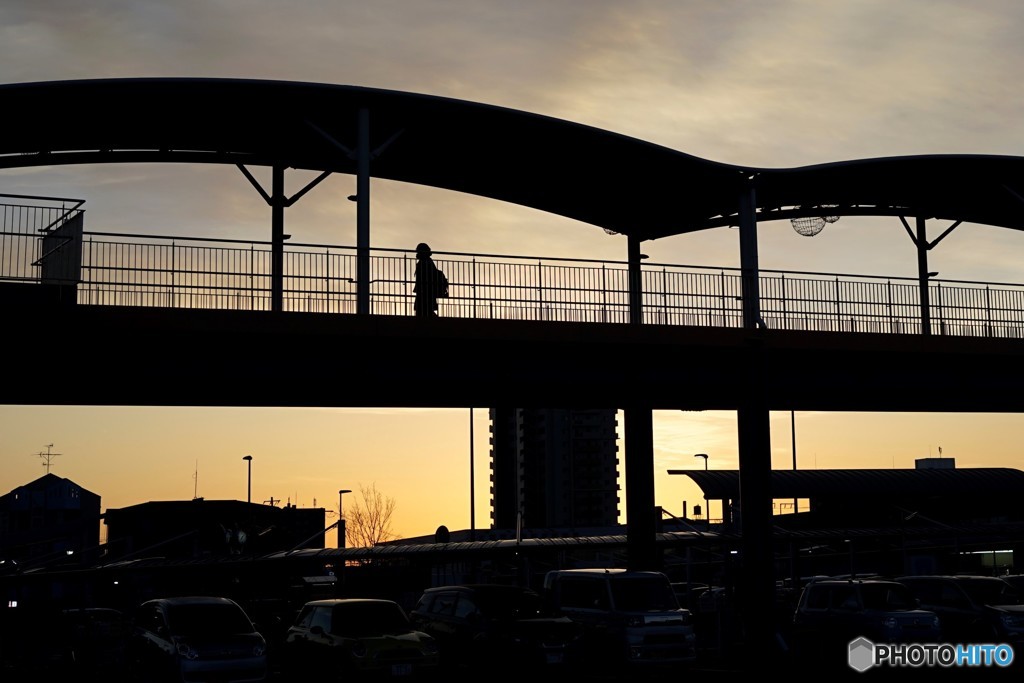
{"points": [[36, 239], [138, 270]]}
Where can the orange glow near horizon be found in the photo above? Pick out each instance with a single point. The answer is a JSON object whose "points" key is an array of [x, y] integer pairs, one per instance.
{"points": [[421, 457]]}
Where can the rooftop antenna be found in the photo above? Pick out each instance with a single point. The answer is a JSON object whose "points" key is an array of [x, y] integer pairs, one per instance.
{"points": [[47, 457], [195, 478]]}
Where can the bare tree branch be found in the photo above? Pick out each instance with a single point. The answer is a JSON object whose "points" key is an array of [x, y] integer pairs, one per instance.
{"points": [[369, 523]]}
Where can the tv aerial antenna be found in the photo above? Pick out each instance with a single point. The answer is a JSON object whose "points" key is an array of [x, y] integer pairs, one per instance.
{"points": [[48, 457]]}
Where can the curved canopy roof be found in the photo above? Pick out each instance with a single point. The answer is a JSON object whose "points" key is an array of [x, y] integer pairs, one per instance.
{"points": [[618, 183]]}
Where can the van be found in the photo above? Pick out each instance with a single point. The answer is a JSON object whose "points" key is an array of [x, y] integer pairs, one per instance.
{"points": [[483, 626], [832, 613], [628, 617]]}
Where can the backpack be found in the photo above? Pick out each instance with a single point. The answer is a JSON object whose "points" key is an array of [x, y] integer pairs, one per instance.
{"points": [[442, 285]]}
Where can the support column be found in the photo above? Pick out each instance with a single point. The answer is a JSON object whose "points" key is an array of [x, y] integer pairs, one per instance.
{"points": [[756, 575], [641, 524], [921, 242], [277, 206], [749, 268], [636, 291], [363, 214]]}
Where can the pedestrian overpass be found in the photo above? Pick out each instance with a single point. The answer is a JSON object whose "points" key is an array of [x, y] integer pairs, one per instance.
{"points": [[100, 328]]}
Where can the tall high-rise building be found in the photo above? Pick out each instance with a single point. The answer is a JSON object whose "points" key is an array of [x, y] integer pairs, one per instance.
{"points": [[557, 467]]}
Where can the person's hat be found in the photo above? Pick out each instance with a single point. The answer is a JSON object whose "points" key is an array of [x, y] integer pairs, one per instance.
{"points": [[423, 248]]}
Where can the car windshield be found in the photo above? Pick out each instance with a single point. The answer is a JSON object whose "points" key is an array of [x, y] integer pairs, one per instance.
{"points": [[643, 594], [207, 619], [511, 604], [887, 596], [992, 591], [364, 619]]}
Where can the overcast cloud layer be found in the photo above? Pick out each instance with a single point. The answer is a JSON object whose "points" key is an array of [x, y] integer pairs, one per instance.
{"points": [[776, 83]]}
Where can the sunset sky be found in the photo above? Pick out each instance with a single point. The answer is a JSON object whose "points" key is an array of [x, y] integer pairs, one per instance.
{"points": [[775, 83]]}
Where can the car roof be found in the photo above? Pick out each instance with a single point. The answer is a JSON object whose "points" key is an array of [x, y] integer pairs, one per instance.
{"points": [[948, 577], [482, 588], [191, 600], [610, 571], [336, 602], [848, 582]]}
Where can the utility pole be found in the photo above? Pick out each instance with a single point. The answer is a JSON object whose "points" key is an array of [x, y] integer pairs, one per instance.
{"points": [[472, 494], [248, 459]]}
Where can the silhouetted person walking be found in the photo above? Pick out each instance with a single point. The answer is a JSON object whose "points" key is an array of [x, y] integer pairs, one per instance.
{"points": [[431, 283]]}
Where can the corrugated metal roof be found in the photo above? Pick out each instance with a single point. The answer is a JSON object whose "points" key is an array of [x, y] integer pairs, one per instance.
{"points": [[902, 483]]}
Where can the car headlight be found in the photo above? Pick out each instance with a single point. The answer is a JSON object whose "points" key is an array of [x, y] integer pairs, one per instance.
{"points": [[1011, 621], [187, 651], [358, 649]]}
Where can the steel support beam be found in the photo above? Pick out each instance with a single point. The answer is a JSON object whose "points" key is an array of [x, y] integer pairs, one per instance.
{"points": [[277, 205], [921, 241], [641, 522], [363, 214], [636, 286], [757, 580], [751, 291]]}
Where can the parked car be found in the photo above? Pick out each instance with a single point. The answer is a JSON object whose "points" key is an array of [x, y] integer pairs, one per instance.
{"points": [[495, 625], [1016, 581], [195, 638], [833, 612], [357, 637], [32, 643], [629, 618], [688, 593], [973, 609], [95, 640]]}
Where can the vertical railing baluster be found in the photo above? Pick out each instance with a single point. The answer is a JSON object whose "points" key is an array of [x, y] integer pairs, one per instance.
{"points": [[664, 296], [473, 291], [174, 275], [942, 322], [328, 299], [785, 304], [604, 293], [988, 312], [888, 289], [721, 292], [540, 291], [839, 312], [252, 276]]}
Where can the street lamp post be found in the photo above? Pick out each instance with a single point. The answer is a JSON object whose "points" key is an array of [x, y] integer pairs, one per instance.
{"points": [[707, 512], [472, 494], [248, 497], [792, 428], [341, 518]]}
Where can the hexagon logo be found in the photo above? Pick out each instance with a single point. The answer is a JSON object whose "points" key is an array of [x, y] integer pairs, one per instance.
{"points": [[861, 654]]}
